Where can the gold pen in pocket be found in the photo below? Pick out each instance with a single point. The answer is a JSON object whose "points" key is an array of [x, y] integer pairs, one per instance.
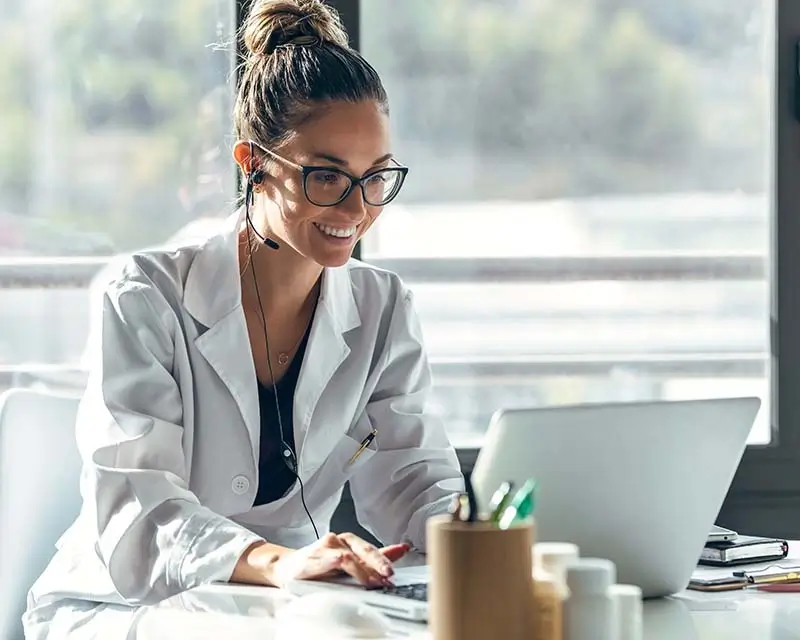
{"points": [[364, 444]]}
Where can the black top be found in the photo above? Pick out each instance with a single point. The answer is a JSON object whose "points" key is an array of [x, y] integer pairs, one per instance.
{"points": [[275, 478]]}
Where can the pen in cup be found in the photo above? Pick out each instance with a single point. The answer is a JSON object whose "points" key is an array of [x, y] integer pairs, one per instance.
{"points": [[521, 506], [499, 501], [455, 507], [464, 506]]}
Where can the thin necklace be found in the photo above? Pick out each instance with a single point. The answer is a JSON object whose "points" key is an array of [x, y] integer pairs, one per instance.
{"points": [[284, 357]]}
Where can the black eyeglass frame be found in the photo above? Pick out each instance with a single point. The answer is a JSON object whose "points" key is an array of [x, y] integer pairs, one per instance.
{"points": [[308, 170]]}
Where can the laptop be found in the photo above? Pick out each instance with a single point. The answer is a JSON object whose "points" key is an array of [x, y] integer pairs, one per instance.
{"points": [[406, 600], [638, 483]]}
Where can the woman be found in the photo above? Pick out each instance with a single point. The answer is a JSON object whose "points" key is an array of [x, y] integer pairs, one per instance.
{"points": [[241, 381]]}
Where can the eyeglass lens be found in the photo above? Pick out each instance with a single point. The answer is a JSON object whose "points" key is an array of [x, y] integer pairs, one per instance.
{"points": [[325, 187]]}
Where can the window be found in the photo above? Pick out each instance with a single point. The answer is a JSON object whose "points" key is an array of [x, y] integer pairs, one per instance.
{"points": [[588, 211], [113, 136], [601, 204]]}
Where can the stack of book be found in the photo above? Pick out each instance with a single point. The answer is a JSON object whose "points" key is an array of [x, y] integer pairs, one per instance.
{"points": [[743, 550]]}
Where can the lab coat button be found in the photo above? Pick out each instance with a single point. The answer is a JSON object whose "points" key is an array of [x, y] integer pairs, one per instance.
{"points": [[240, 485]]}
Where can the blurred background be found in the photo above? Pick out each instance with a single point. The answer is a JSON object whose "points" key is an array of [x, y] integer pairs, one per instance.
{"points": [[587, 215]]}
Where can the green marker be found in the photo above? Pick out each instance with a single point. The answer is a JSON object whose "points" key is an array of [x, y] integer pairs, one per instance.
{"points": [[500, 501], [521, 506]]}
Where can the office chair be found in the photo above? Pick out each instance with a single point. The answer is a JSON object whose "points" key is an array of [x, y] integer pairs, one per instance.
{"points": [[39, 491]]}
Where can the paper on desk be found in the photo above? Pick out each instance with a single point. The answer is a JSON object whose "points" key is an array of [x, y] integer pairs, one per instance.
{"points": [[701, 600], [703, 572]]}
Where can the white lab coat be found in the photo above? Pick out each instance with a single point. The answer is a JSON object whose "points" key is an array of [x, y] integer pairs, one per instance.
{"points": [[169, 427]]}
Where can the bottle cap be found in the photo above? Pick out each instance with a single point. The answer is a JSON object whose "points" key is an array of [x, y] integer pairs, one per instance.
{"points": [[628, 593], [590, 576], [552, 558]]}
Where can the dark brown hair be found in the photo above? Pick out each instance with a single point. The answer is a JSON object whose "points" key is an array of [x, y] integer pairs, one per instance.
{"points": [[298, 59]]}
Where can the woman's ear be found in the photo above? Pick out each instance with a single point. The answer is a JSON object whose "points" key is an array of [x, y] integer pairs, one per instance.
{"points": [[244, 157]]}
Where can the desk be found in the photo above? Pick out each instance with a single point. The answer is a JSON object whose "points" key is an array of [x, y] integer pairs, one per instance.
{"points": [[244, 613]]}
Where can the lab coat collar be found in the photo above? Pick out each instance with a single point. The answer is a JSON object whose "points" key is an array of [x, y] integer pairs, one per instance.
{"points": [[212, 295], [212, 289]]}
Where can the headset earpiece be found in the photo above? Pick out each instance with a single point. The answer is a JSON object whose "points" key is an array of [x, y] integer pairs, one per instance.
{"points": [[257, 176]]}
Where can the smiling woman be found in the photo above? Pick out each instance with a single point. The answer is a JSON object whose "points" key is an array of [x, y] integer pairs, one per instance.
{"points": [[327, 183], [238, 382]]}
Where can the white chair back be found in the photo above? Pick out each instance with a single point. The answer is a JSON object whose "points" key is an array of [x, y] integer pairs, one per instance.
{"points": [[39, 491]]}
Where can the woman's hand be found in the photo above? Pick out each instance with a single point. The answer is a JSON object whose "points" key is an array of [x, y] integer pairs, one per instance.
{"points": [[332, 554], [345, 553]]}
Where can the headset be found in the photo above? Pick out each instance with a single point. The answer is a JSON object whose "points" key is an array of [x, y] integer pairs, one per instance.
{"points": [[255, 177]]}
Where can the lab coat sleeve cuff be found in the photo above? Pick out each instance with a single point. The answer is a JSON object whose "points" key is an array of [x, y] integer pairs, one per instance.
{"points": [[416, 535], [213, 546]]}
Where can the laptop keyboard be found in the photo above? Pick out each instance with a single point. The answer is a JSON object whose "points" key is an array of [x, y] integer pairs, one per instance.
{"points": [[417, 592]]}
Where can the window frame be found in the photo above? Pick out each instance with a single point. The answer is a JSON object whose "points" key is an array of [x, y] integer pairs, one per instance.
{"points": [[768, 476], [765, 492]]}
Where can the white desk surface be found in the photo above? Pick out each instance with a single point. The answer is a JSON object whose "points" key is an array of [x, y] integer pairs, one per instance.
{"points": [[242, 612]]}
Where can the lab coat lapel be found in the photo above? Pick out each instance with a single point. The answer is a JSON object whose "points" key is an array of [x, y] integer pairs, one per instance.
{"points": [[226, 347], [327, 350], [212, 295]]}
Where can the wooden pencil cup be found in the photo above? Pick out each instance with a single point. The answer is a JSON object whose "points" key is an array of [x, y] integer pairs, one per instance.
{"points": [[481, 583]]}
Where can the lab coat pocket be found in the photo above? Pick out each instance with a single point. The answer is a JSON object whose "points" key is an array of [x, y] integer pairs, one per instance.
{"points": [[355, 453], [345, 459]]}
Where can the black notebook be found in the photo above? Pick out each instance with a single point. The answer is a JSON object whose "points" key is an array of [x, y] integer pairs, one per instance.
{"points": [[743, 550]]}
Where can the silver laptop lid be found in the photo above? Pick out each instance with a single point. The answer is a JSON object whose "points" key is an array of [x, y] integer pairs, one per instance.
{"points": [[638, 483]]}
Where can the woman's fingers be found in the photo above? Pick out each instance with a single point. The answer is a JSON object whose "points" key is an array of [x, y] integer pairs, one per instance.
{"points": [[347, 553], [367, 564], [394, 552], [369, 554], [349, 560], [361, 571]]}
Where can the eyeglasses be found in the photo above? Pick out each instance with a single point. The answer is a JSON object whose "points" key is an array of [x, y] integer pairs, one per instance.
{"points": [[328, 186]]}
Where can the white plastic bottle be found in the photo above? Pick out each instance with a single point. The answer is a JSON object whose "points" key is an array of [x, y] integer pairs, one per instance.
{"points": [[589, 611], [550, 561], [628, 602]]}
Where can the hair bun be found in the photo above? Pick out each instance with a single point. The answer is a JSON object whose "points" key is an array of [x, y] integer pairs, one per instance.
{"points": [[273, 23]]}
